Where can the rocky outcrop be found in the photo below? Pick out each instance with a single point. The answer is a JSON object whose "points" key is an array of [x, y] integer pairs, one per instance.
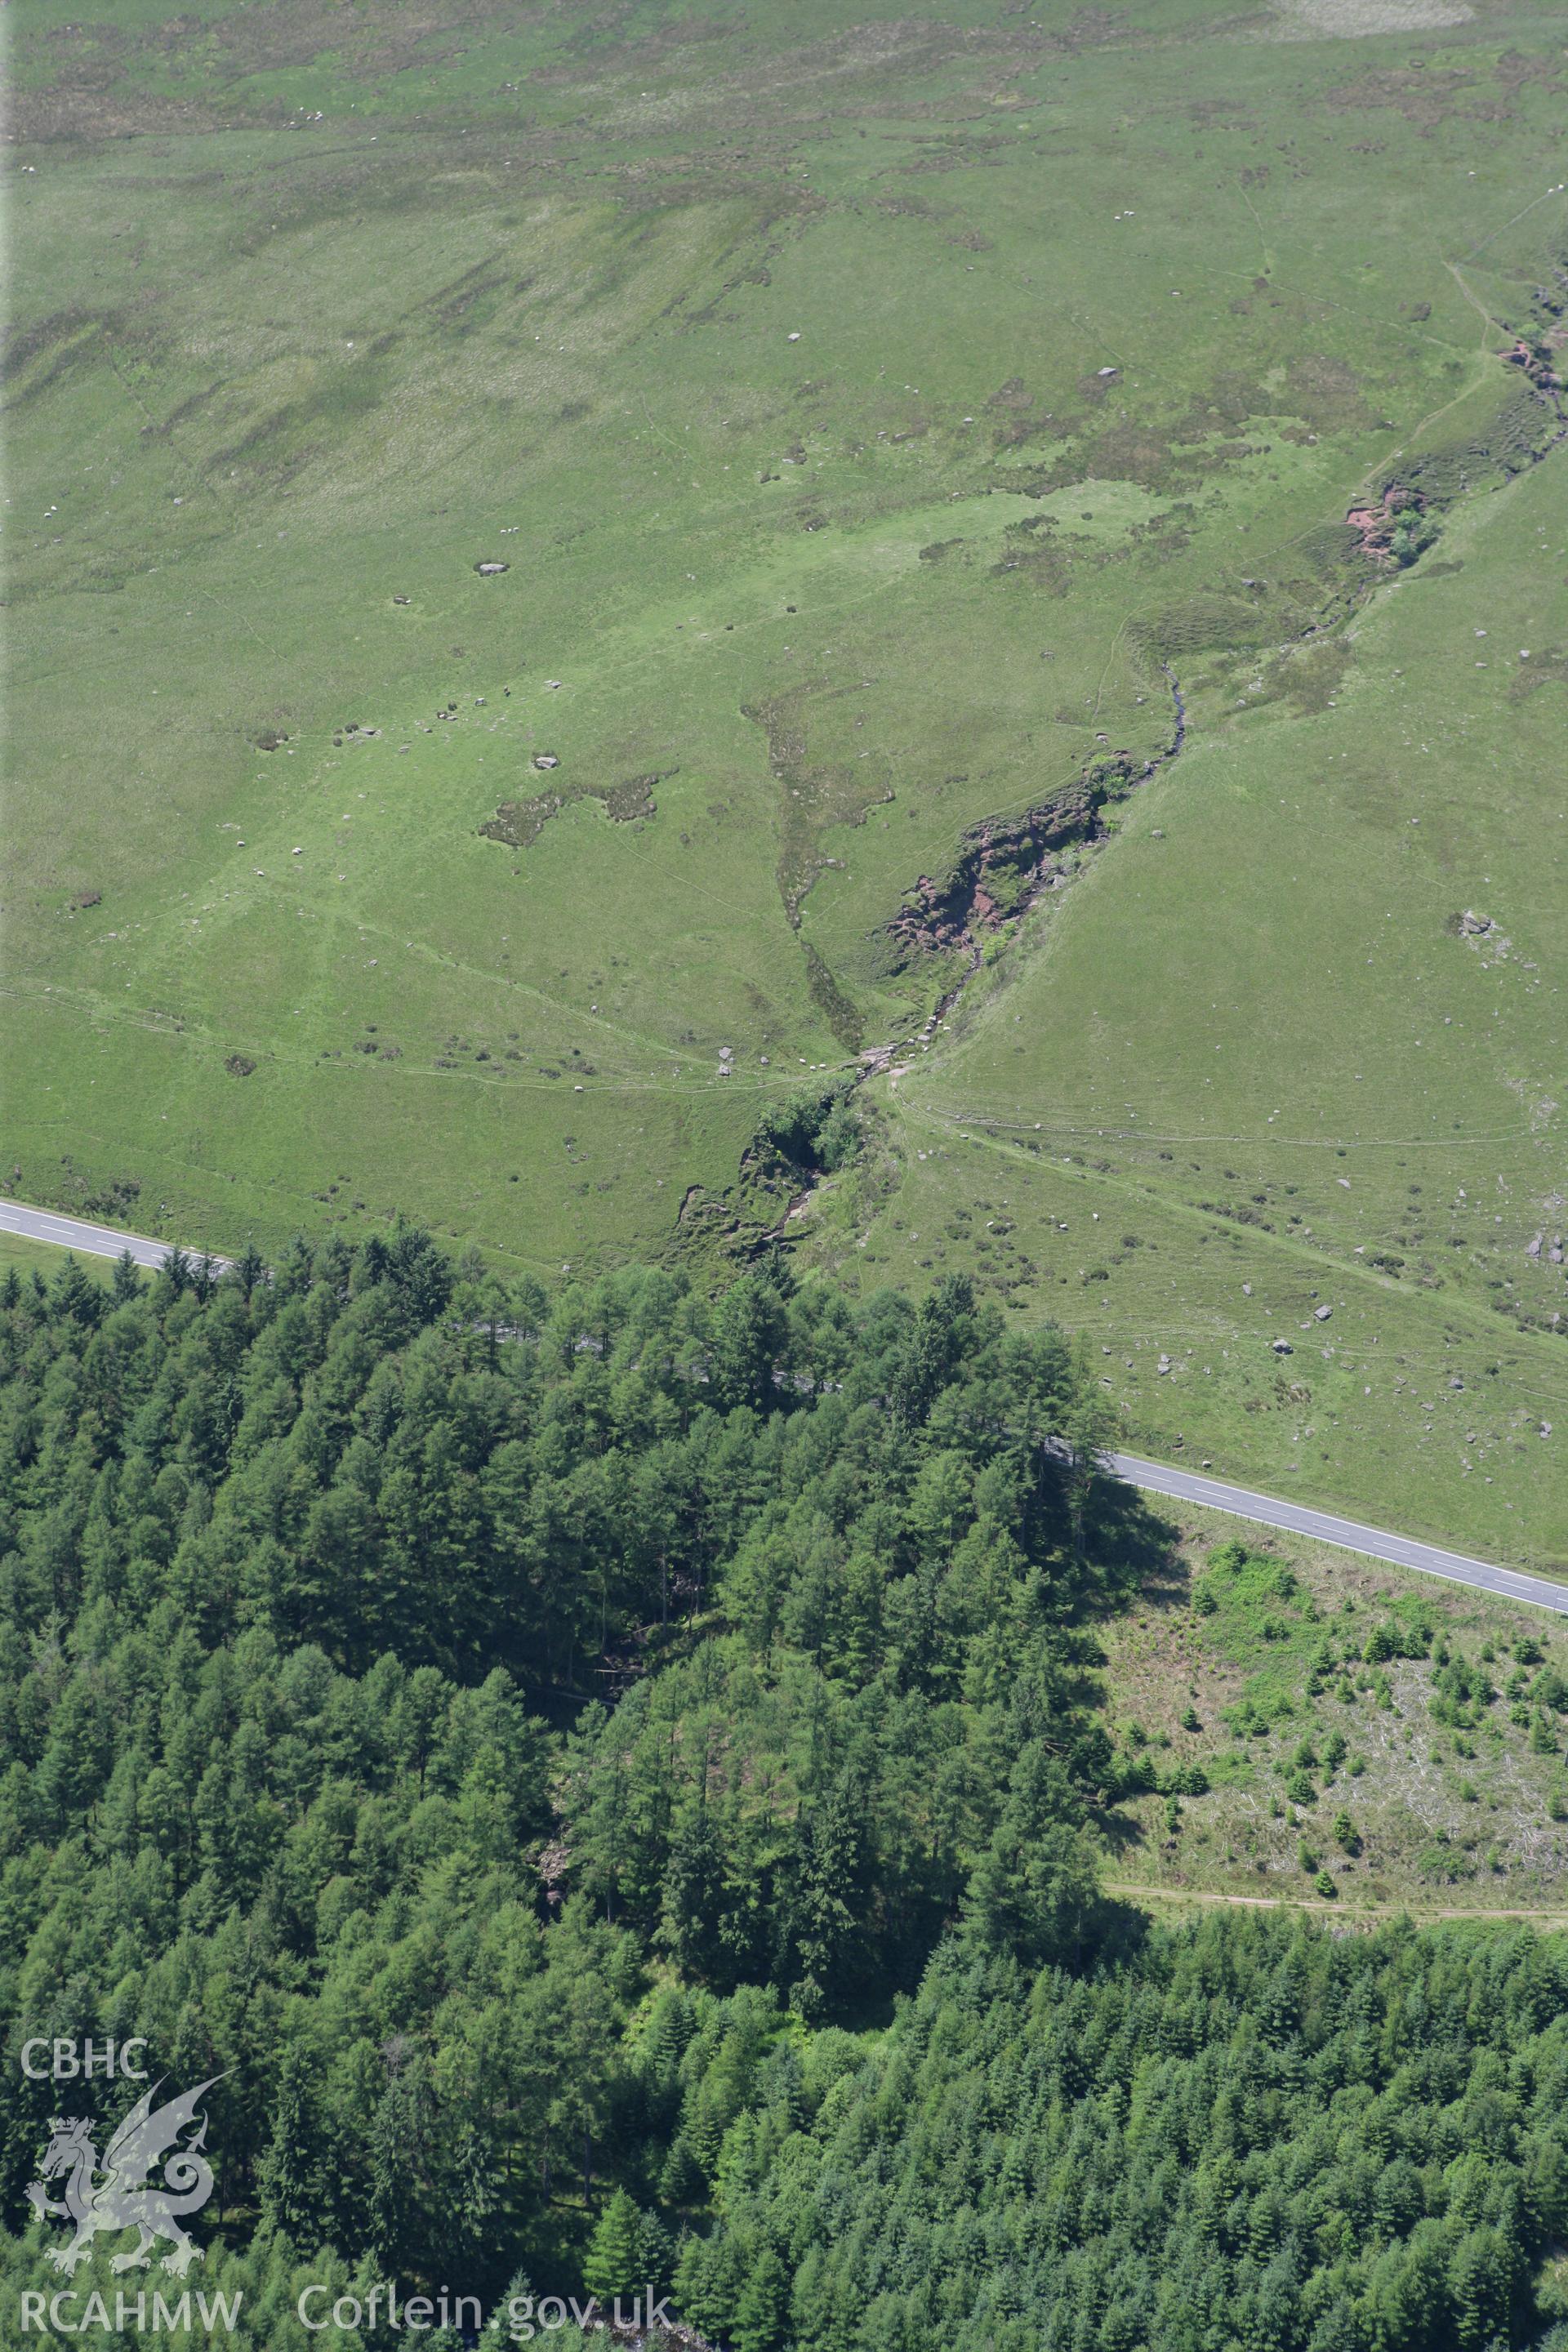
{"points": [[1534, 361], [1374, 527], [996, 864], [1001, 866]]}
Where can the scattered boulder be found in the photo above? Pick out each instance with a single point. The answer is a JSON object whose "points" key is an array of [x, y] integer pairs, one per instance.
{"points": [[1322, 1313], [240, 1066], [1482, 932], [1283, 1348], [87, 899], [546, 760], [488, 570]]}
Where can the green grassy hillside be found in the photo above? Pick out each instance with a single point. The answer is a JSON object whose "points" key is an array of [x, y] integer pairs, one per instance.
{"points": [[1256, 1046], [881, 422]]}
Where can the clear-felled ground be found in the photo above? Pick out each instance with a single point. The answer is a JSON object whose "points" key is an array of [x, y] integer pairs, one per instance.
{"points": [[1371, 1740]]}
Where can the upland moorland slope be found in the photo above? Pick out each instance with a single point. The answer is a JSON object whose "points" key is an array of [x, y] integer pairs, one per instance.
{"points": [[1022, 543]]}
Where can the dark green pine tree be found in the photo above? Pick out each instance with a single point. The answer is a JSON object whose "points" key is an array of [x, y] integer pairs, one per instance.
{"points": [[614, 2253], [250, 1267], [762, 2306], [656, 2254], [399, 2154], [1033, 1891], [694, 1899], [508, 2323], [750, 1332], [681, 2180], [927, 1358], [76, 1296], [825, 1930]]}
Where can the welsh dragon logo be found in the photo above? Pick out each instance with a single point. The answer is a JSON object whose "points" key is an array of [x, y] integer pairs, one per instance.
{"points": [[118, 2196]]}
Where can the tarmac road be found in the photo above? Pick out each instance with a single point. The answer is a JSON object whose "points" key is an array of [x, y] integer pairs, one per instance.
{"points": [[1351, 1534], [1157, 1477], [93, 1241]]}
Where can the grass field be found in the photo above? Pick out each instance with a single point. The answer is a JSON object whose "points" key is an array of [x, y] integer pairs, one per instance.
{"points": [[876, 420], [1400, 1734], [1248, 1069], [43, 1258]]}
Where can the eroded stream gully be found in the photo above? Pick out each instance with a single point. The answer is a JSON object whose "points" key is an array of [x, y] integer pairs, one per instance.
{"points": [[1070, 819]]}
